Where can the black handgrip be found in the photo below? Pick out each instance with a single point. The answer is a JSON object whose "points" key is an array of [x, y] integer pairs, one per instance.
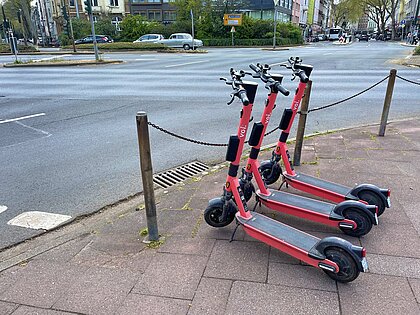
{"points": [[281, 89], [303, 77], [254, 67], [244, 98]]}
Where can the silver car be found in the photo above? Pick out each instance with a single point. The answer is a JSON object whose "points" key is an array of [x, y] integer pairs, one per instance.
{"points": [[181, 40], [149, 38]]}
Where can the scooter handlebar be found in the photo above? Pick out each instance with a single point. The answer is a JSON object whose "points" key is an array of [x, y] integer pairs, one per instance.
{"points": [[303, 77], [254, 68], [244, 98], [281, 89]]}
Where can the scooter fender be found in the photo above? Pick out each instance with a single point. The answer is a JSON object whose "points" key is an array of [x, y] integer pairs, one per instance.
{"points": [[318, 251], [368, 209], [380, 192]]}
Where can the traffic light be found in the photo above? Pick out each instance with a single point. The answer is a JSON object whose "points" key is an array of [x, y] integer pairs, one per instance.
{"points": [[64, 11], [88, 6]]}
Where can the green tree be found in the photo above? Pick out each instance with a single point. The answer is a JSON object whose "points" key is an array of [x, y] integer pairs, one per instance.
{"points": [[105, 27], [81, 27], [24, 29], [134, 26]]}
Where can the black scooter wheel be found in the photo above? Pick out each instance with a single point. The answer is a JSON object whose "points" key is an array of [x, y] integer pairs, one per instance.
{"points": [[348, 270], [270, 172], [247, 188], [372, 198], [364, 225], [213, 214]]}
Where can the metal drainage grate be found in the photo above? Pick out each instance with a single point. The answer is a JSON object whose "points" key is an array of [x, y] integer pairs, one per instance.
{"points": [[176, 175]]}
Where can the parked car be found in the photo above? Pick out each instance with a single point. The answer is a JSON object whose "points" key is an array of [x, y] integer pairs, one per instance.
{"points": [[322, 37], [99, 39], [181, 40], [364, 36], [149, 38]]}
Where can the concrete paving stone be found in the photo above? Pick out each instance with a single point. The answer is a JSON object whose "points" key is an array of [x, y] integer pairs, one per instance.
{"points": [[280, 257], [26, 310], [178, 222], [391, 239], [178, 197], [146, 304], [377, 294], [136, 262], [257, 298], [394, 215], [299, 276], [238, 260], [211, 297], [41, 283], [172, 275], [123, 223], [64, 253], [89, 257], [7, 308], [394, 265], [119, 243], [98, 291], [191, 246], [8, 278], [224, 233], [415, 286]]}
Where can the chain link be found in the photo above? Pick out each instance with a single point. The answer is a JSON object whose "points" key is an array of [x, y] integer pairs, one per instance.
{"points": [[407, 80], [348, 98], [197, 141]]}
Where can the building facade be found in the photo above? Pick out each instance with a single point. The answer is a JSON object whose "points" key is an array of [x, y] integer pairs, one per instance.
{"points": [[159, 10]]}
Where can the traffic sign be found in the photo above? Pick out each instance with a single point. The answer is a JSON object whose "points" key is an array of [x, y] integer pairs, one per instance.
{"points": [[232, 30], [232, 19]]}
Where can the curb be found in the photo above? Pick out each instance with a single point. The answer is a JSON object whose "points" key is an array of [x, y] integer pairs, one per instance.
{"points": [[61, 64]]}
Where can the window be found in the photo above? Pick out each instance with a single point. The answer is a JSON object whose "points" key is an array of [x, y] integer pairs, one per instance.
{"points": [[95, 18], [95, 3], [153, 1], [116, 20], [113, 3], [169, 15], [167, 1], [154, 15], [71, 3]]}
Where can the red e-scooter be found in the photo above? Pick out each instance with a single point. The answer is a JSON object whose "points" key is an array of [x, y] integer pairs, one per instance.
{"points": [[352, 217], [271, 170], [341, 260]]}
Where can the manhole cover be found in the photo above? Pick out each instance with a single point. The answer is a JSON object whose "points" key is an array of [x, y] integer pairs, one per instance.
{"points": [[176, 175]]}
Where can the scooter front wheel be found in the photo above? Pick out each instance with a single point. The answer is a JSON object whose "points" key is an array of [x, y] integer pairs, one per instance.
{"points": [[372, 198], [364, 225], [213, 215], [270, 171], [348, 270]]}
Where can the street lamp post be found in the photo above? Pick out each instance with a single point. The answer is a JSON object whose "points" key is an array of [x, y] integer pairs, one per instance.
{"points": [[276, 3]]}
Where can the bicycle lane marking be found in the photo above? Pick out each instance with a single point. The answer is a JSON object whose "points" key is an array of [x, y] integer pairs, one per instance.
{"points": [[3, 208], [21, 118], [185, 64]]}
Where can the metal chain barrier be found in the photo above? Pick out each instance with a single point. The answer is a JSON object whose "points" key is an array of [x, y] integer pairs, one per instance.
{"points": [[407, 80], [348, 98], [196, 141]]}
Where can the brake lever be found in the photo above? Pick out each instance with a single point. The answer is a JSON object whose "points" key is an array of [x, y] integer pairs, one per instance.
{"points": [[232, 99]]}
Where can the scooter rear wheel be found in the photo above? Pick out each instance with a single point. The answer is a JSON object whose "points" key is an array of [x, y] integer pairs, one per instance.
{"points": [[213, 214], [348, 270], [270, 172], [364, 225], [373, 199]]}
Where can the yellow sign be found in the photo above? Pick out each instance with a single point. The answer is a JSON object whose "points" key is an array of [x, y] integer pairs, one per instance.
{"points": [[232, 19]]}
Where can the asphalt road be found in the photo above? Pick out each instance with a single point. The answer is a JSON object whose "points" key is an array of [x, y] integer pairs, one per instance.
{"points": [[77, 151]]}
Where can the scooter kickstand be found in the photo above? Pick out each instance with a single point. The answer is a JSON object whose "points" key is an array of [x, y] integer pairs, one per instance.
{"points": [[282, 183], [257, 202], [234, 231]]}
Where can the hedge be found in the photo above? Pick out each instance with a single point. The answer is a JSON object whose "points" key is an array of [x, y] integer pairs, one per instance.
{"points": [[123, 46], [417, 50], [5, 48], [251, 42]]}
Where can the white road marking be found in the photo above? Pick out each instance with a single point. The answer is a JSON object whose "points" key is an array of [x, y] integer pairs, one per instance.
{"points": [[2, 208], [184, 64], [34, 129], [49, 58], [21, 118], [38, 220], [144, 59]]}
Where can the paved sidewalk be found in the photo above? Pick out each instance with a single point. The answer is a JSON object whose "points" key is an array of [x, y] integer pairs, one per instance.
{"points": [[99, 265]]}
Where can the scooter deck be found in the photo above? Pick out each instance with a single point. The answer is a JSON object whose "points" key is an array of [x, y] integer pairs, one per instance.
{"points": [[319, 183], [281, 198], [280, 231]]}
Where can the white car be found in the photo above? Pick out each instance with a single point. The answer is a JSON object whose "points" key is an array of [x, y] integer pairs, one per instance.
{"points": [[181, 40], [149, 38]]}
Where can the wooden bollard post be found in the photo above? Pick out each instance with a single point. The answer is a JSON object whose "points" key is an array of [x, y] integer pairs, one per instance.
{"points": [[387, 102], [147, 175], [301, 125]]}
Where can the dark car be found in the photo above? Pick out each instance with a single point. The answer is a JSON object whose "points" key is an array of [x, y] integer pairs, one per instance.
{"points": [[364, 36], [99, 39]]}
